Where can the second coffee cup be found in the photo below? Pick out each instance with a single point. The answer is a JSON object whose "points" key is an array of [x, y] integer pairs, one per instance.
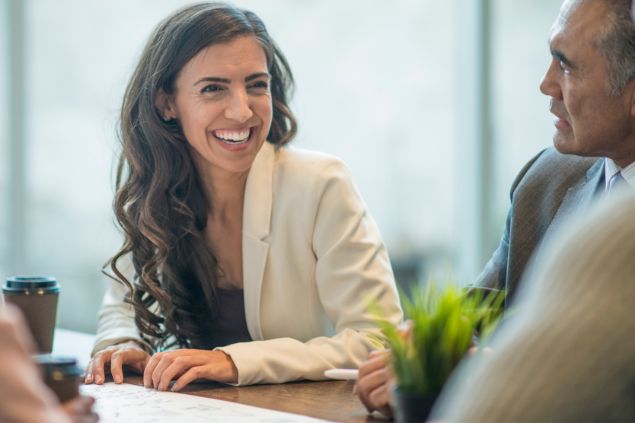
{"points": [[36, 296], [61, 375]]}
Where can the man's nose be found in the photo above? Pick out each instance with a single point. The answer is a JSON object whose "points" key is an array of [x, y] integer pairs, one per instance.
{"points": [[550, 84]]}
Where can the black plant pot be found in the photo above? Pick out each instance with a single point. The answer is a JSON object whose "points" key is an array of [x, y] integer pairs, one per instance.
{"points": [[410, 407]]}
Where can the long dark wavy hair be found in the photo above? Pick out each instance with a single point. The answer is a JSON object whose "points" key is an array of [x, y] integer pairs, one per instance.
{"points": [[159, 201]]}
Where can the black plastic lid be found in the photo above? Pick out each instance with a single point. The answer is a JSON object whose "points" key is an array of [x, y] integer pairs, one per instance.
{"points": [[22, 283], [51, 363]]}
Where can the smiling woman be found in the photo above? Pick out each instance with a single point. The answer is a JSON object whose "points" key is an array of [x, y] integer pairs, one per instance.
{"points": [[223, 104], [244, 261]]}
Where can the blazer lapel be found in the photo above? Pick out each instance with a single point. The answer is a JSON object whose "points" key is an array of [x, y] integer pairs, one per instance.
{"points": [[579, 196], [256, 227]]}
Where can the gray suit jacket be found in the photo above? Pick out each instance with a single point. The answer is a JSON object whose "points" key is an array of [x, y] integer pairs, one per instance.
{"points": [[550, 188]]}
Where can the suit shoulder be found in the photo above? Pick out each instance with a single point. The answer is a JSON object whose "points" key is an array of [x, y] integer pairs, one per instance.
{"points": [[551, 158], [550, 168]]}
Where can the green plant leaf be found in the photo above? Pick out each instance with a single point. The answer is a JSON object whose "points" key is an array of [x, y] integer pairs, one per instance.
{"points": [[444, 322]]}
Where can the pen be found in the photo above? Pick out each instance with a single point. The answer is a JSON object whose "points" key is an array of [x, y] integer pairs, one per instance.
{"points": [[341, 374]]}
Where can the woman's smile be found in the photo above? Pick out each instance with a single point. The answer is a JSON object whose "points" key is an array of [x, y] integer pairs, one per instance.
{"points": [[234, 139]]}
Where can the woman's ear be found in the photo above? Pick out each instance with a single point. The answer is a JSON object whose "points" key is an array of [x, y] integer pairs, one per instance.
{"points": [[165, 106]]}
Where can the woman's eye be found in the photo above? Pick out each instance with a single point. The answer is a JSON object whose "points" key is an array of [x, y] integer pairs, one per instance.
{"points": [[260, 85], [211, 88]]}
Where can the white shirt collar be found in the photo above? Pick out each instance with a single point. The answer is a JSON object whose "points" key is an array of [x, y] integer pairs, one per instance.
{"points": [[610, 169]]}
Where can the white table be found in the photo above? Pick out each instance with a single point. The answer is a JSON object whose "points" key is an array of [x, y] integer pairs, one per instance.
{"points": [[73, 344]]}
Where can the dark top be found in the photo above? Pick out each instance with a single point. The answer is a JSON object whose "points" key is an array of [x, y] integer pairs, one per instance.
{"points": [[230, 325]]}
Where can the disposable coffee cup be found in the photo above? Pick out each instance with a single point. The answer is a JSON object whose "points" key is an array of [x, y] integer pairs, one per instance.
{"points": [[61, 375], [36, 296]]}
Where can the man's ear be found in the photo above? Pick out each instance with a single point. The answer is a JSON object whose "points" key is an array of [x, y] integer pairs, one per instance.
{"points": [[165, 106]]}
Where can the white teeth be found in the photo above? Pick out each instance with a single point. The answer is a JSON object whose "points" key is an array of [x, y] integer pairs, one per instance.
{"points": [[232, 136]]}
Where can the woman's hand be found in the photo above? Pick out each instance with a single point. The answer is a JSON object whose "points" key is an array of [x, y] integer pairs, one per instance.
{"points": [[374, 381], [80, 409], [127, 353], [184, 366]]}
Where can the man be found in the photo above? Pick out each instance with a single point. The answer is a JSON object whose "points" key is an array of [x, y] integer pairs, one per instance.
{"points": [[591, 82]]}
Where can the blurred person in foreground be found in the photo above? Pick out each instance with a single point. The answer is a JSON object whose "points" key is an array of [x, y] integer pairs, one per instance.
{"points": [[24, 398], [567, 354], [591, 82], [244, 260]]}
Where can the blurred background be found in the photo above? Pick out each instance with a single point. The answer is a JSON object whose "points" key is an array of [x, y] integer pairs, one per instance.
{"points": [[434, 106]]}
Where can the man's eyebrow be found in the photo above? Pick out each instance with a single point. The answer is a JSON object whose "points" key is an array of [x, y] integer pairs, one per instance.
{"points": [[212, 79], [562, 58]]}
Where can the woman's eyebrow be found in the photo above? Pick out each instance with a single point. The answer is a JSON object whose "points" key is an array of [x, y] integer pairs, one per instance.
{"points": [[257, 75], [227, 81], [212, 79]]}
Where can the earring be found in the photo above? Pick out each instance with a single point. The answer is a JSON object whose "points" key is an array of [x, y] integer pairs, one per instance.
{"points": [[167, 119]]}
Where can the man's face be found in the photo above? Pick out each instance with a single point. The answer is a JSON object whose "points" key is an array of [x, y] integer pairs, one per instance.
{"points": [[589, 121]]}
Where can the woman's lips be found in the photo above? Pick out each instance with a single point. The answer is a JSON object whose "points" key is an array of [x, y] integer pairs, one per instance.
{"points": [[234, 139]]}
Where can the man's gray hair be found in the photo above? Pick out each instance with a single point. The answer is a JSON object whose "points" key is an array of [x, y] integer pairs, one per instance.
{"points": [[617, 44]]}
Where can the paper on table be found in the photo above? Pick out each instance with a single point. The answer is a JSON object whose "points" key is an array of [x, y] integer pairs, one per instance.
{"points": [[131, 403]]}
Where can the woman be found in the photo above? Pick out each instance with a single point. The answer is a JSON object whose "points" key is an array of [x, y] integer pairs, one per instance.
{"points": [[243, 254]]}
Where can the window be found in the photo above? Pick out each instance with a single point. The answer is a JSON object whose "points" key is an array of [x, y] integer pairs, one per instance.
{"points": [[4, 134], [522, 123], [376, 86]]}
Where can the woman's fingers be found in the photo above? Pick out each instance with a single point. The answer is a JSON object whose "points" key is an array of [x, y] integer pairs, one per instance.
{"points": [[134, 358], [189, 376], [95, 372], [179, 367], [165, 367], [88, 377], [149, 370], [174, 364], [116, 366], [118, 356], [157, 365]]}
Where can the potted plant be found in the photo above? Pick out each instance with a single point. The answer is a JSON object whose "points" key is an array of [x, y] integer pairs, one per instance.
{"points": [[442, 326]]}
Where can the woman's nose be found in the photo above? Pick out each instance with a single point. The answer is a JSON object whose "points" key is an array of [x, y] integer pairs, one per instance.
{"points": [[239, 107]]}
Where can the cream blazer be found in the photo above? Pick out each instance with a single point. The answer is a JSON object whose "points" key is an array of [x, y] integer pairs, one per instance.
{"points": [[312, 260]]}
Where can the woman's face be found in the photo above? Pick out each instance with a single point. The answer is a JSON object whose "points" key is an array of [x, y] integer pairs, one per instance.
{"points": [[223, 104]]}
